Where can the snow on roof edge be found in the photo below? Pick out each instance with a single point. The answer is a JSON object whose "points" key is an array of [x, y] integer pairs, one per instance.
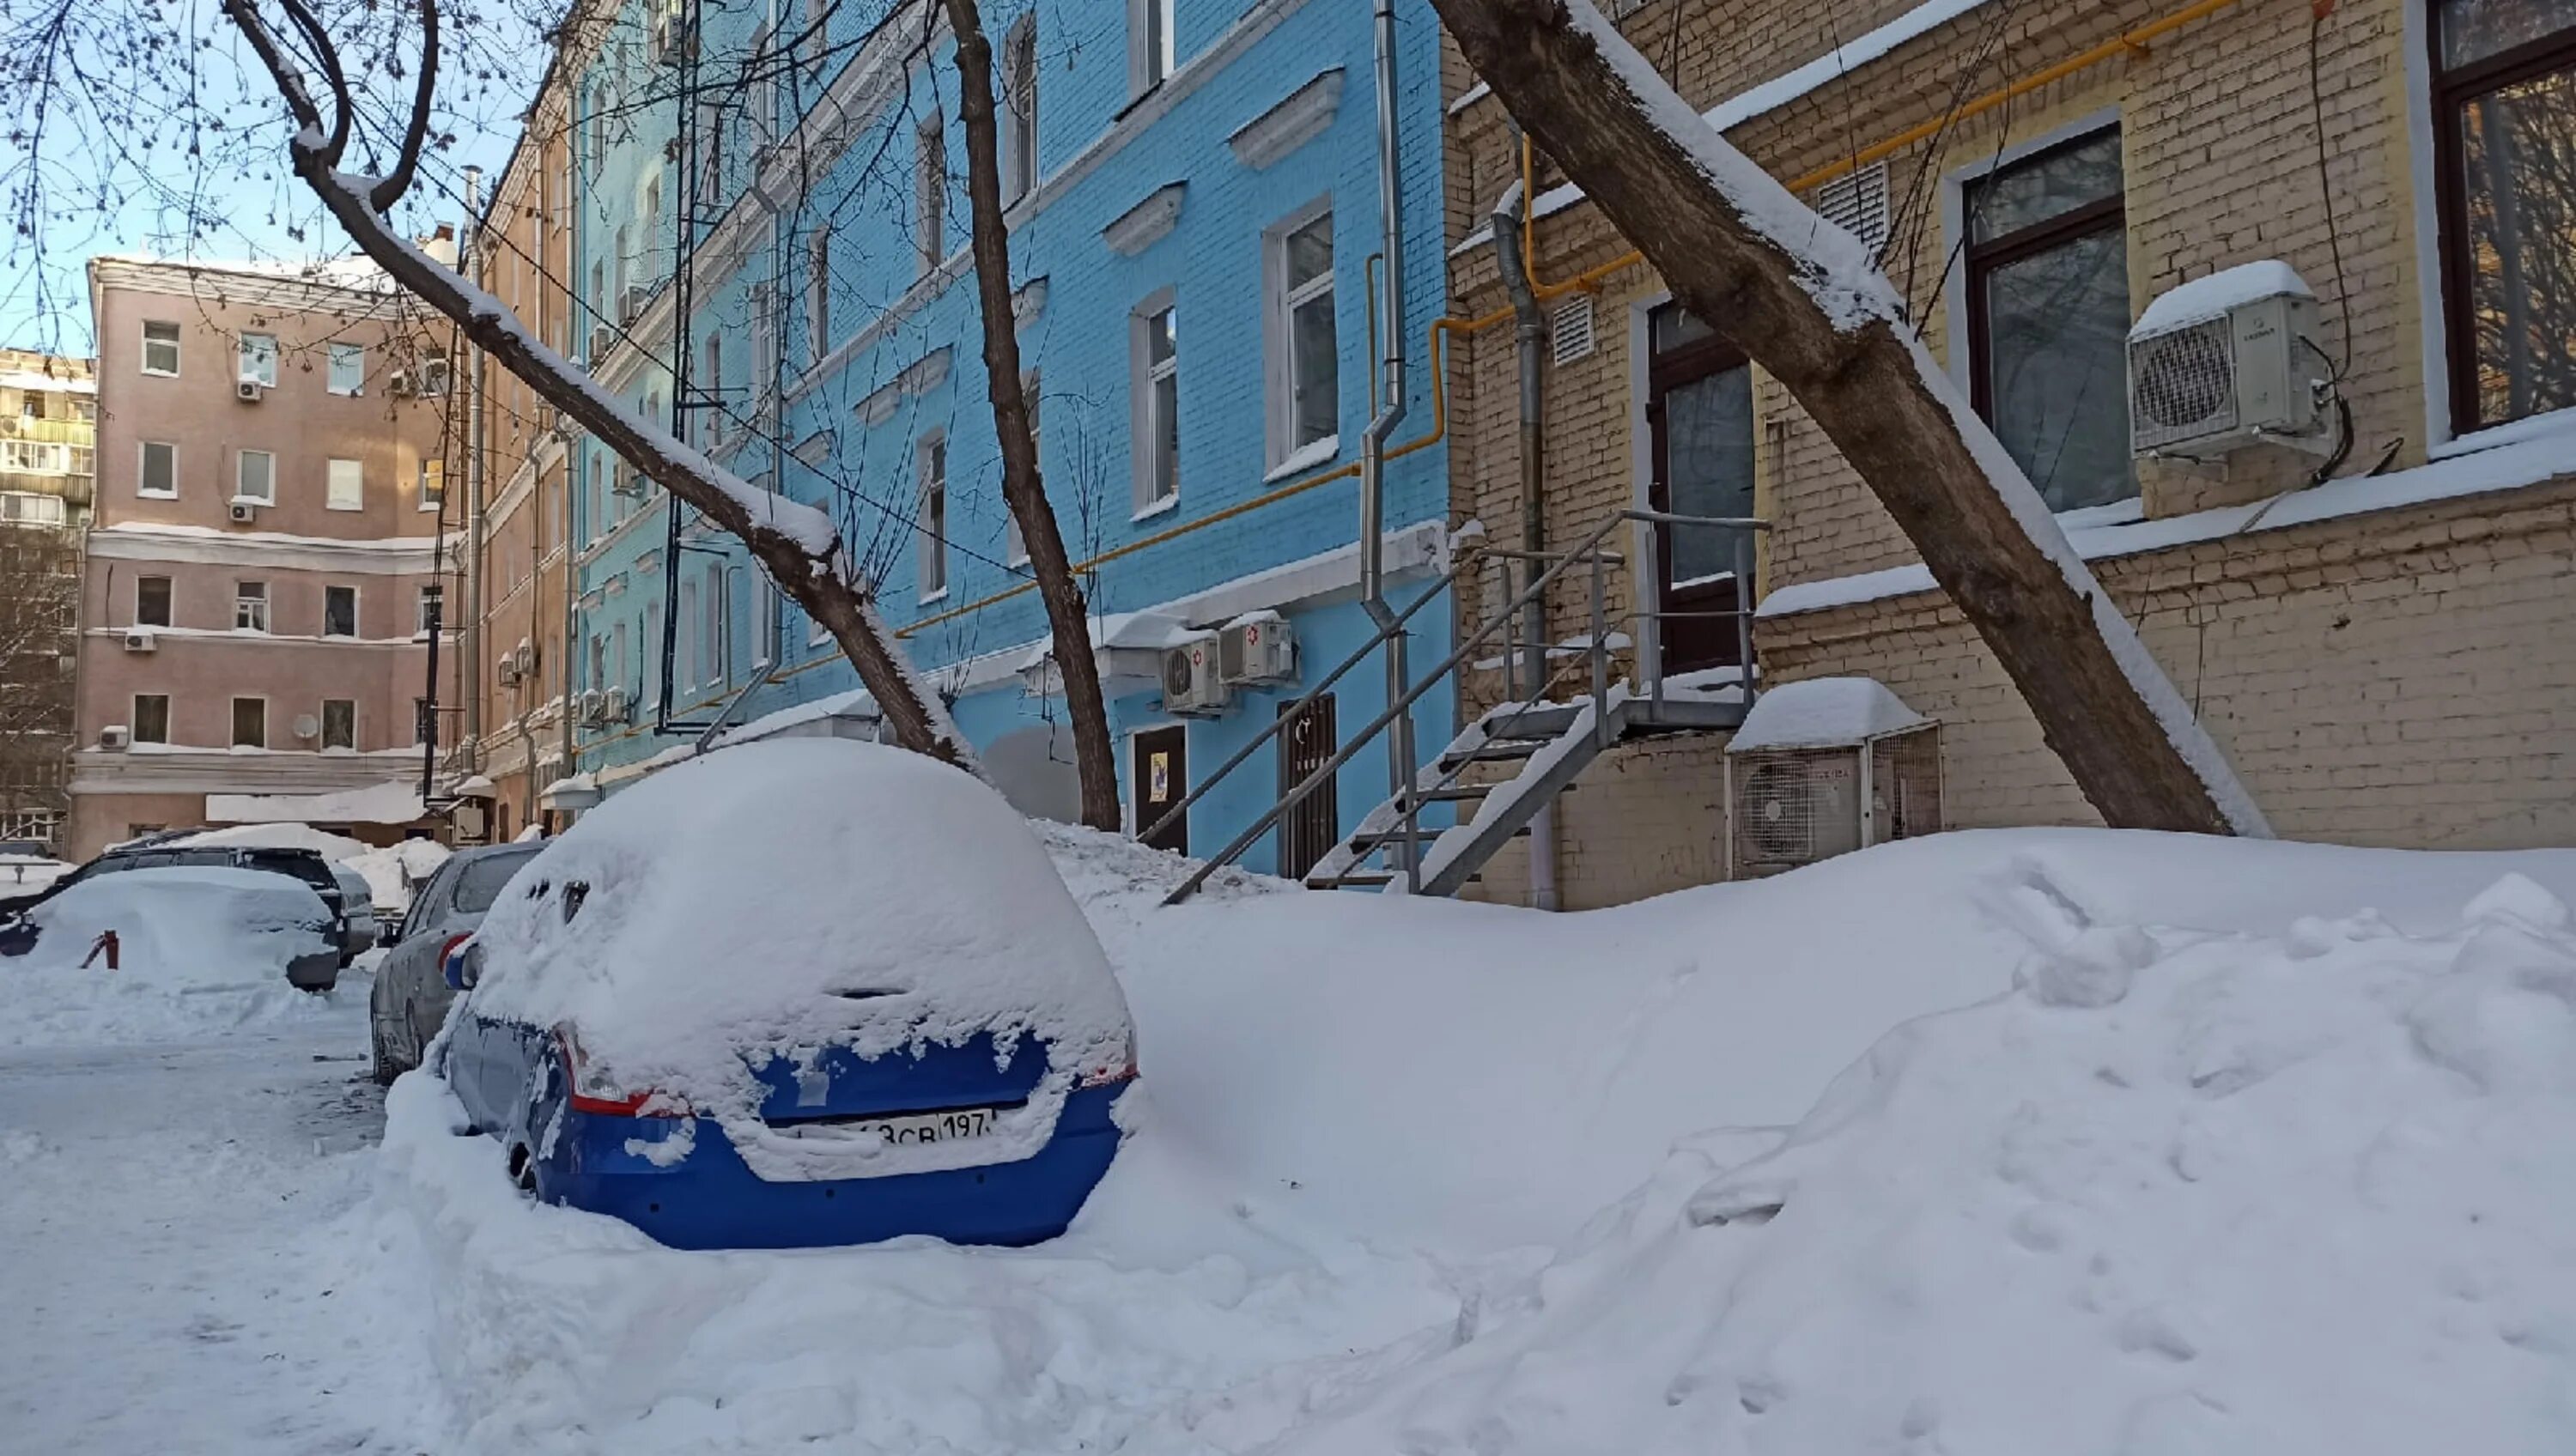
{"points": [[1821, 712]]}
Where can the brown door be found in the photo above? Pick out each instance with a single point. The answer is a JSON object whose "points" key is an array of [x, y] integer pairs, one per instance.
{"points": [[1700, 411], [1311, 828], [1160, 777]]}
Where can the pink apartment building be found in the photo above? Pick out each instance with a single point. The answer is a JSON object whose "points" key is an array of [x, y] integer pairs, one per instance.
{"points": [[269, 521]]}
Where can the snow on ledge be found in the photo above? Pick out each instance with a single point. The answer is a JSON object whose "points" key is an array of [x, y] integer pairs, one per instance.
{"points": [[1823, 712], [2214, 296], [2527, 461]]}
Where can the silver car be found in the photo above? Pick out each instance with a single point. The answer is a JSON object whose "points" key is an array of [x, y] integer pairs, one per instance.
{"points": [[357, 913], [409, 1001]]}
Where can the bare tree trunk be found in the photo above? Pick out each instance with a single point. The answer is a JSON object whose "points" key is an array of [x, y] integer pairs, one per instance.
{"points": [[797, 545], [1068, 616], [1804, 302]]}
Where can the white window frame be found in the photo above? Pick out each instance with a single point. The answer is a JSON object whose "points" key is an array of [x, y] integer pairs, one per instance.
{"points": [[232, 721], [818, 293], [1279, 351], [1019, 142], [930, 191], [251, 611], [684, 651], [353, 355], [930, 505], [354, 475], [32, 508], [1146, 426], [1153, 53], [322, 738], [352, 589], [134, 726], [432, 467], [241, 477], [420, 610], [142, 456], [146, 335], [169, 602], [254, 365]]}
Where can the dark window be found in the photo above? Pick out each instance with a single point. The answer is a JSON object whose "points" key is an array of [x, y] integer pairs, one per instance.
{"points": [[250, 723], [481, 881], [2048, 319], [152, 601], [339, 611], [2504, 108], [1699, 411], [151, 717], [339, 723]]}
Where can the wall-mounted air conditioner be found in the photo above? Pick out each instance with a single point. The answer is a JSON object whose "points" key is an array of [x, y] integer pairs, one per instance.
{"points": [[140, 639], [613, 706], [1824, 767], [1257, 648], [249, 391], [242, 513], [1192, 685], [115, 736], [602, 337], [2228, 361]]}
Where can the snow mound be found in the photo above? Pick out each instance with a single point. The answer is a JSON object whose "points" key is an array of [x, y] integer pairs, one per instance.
{"points": [[790, 895], [1821, 712], [395, 871], [2207, 298], [281, 836], [197, 950], [2178, 1192]]}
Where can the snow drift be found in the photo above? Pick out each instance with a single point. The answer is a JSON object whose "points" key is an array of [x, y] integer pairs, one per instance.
{"points": [[2222, 1124], [197, 948]]}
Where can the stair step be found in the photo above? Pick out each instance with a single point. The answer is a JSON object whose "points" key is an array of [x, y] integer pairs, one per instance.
{"points": [[1545, 721], [1452, 793], [1350, 882], [1497, 750]]}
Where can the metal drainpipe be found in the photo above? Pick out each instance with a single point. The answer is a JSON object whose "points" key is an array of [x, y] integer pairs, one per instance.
{"points": [[568, 650], [1529, 331], [1390, 410], [469, 656]]}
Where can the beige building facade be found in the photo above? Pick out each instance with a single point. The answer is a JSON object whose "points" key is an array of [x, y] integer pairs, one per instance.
{"points": [[272, 464], [2384, 653]]}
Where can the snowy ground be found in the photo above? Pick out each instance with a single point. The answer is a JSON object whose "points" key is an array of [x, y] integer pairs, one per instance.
{"points": [[2235, 1147]]}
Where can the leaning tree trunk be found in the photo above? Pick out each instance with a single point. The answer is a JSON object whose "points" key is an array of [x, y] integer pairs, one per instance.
{"points": [[1068, 616], [1805, 301], [796, 544]]}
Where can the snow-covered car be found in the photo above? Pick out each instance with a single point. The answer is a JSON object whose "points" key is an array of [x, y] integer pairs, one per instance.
{"points": [[796, 993], [409, 1000], [193, 922], [172, 852]]}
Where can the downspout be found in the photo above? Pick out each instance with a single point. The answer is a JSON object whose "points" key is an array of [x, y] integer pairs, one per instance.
{"points": [[1529, 331], [569, 651], [469, 656], [1389, 411]]}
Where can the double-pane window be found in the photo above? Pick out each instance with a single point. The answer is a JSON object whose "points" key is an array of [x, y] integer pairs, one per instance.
{"points": [[250, 606], [255, 477], [339, 611], [258, 359], [250, 722], [933, 520], [151, 718], [152, 601], [1158, 413], [160, 348], [348, 370], [339, 723], [1308, 398]]}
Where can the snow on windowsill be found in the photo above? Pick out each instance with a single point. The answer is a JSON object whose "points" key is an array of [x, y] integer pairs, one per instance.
{"points": [[2555, 422], [2530, 458], [1163, 507], [929, 598], [156, 494], [1304, 458]]}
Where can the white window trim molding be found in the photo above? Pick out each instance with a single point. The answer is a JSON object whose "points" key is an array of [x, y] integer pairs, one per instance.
{"points": [[242, 497], [1148, 222], [1278, 310], [1299, 117], [141, 446], [930, 547], [2415, 40], [143, 335], [357, 609], [1955, 359], [1142, 496]]}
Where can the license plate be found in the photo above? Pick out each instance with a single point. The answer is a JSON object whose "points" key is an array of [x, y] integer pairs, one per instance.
{"points": [[925, 1127]]}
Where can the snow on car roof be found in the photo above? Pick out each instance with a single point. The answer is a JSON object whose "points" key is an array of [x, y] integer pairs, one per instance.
{"points": [[753, 899]]}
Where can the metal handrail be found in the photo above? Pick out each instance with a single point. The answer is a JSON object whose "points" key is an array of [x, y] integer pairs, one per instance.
{"points": [[1404, 703]]}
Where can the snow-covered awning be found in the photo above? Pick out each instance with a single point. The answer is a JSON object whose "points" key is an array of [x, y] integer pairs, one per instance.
{"points": [[387, 803], [575, 791]]}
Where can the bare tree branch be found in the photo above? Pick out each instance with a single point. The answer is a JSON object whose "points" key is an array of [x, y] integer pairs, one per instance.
{"points": [[416, 131]]}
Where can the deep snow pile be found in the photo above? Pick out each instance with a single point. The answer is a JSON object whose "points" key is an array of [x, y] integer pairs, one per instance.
{"points": [[712, 913], [1421, 1176], [393, 872], [330, 846], [196, 949]]}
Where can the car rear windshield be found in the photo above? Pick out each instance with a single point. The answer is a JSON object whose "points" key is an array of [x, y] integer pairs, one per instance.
{"points": [[309, 868], [479, 883]]}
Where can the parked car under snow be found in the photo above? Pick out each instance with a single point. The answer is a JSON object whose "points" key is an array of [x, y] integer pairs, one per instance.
{"points": [[188, 924], [796, 993]]}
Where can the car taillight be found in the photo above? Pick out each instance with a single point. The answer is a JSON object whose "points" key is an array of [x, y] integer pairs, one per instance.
{"points": [[1111, 1072], [592, 1092]]}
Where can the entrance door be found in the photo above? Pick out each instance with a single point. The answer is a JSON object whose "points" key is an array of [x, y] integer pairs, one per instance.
{"points": [[1312, 828], [1700, 410], [1159, 777]]}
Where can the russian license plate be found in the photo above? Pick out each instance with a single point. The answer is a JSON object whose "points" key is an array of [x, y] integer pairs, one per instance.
{"points": [[925, 1127]]}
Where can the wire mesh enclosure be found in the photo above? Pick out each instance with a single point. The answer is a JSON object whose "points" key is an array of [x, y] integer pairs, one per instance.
{"points": [[1789, 807]]}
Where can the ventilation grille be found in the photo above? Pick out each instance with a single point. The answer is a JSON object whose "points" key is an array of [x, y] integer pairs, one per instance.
{"points": [[2183, 384], [1794, 807], [1905, 785], [1571, 330], [1857, 203]]}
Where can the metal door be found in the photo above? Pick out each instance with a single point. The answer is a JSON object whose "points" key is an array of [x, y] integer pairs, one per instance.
{"points": [[1158, 775], [1312, 827]]}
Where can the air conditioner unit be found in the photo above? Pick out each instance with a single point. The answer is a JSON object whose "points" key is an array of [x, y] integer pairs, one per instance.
{"points": [[523, 658], [630, 304], [242, 513], [114, 736], [1192, 686], [1259, 647], [140, 639], [1792, 804], [507, 672], [613, 706], [2228, 361], [602, 338], [249, 391], [398, 383]]}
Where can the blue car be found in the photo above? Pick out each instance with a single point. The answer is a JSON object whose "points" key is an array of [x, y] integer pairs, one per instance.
{"points": [[775, 1068]]}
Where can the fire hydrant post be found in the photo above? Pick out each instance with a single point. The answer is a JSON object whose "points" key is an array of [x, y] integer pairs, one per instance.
{"points": [[106, 942]]}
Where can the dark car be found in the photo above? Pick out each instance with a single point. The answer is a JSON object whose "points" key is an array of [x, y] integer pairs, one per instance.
{"points": [[161, 853]]}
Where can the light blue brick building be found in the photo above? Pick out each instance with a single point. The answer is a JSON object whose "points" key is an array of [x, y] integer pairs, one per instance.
{"points": [[1196, 234]]}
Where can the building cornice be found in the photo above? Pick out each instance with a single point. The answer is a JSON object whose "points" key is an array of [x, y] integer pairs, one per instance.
{"points": [[206, 546]]}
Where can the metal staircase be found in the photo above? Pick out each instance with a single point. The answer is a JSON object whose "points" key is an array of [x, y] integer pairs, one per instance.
{"points": [[1441, 823]]}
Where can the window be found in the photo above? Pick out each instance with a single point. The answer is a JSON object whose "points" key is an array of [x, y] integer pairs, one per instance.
{"points": [[931, 525], [152, 601], [425, 611], [339, 611], [711, 394], [930, 191], [258, 354], [36, 457], [1020, 109], [684, 649], [347, 490], [422, 721], [2048, 319], [1158, 404], [2504, 105], [711, 153], [151, 718], [158, 475], [161, 348], [763, 82], [1699, 417], [28, 508], [348, 370], [764, 345], [818, 293], [598, 300], [715, 641], [255, 477], [622, 262], [595, 507], [598, 124], [339, 723], [651, 214], [250, 722], [1305, 383], [1151, 54], [433, 484], [1015, 547], [250, 606]]}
